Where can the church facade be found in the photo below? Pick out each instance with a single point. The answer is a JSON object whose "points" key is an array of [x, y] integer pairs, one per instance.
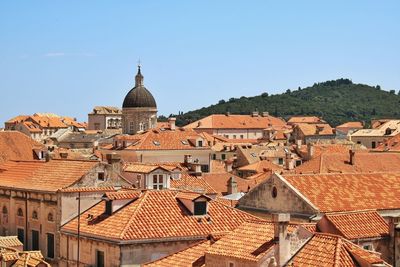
{"points": [[139, 109]]}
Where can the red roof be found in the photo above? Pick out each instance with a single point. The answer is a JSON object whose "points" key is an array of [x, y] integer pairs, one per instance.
{"points": [[349, 192], [157, 215], [17, 146], [357, 224], [332, 250], [220, 121], [191, 256], [43, 176]]}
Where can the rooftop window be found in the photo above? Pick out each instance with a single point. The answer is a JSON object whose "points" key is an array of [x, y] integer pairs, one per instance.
{"points": [[184, 142], [200, 208], [156, 143]]}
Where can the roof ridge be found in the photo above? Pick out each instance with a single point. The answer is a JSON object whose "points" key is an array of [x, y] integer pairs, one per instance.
{"points": [[336, 260], [139, 205]]}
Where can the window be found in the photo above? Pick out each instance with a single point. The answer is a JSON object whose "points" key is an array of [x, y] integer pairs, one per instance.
{"points": [[223, 156], [234, 136], [100, 176], [109, 207], [99, 258], [274, 192], [21, 235], [298, 163], [204, 168], [367, 246], [200, 143], [34, 215], [373, 144], [359, 142], [280, 161], [241, 136], [20, 213], [50, 217], [214, 156], [50, 245], [131, 127], [5, 211], [200, 208], [158, 181], [35, 240]]}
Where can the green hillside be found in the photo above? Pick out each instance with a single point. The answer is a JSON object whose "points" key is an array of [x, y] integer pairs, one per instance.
{"points": [[336, 101]]}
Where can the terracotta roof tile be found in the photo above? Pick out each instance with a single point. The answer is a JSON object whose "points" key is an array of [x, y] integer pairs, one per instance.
{"points": [[261, 166], [192, 183], [250, 241], [349, 192], [358, 224], [364, 162], [219, 121], [157, 215], [305, 119], [41, 175], [391, 144], [10, 241], [17, 146], [314, 129], [331, 250], [157, 139], [192, 256]]}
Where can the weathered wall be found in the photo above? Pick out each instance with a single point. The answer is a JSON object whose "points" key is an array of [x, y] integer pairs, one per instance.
{"points": [[286, 201]]}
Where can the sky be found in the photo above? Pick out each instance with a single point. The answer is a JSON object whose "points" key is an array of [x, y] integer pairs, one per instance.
{"points": [[66, 57]]}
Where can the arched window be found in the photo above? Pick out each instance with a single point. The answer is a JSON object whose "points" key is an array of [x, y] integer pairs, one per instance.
{"points": [[5, 211], [20, 213], [50, 217], [34, 215]]}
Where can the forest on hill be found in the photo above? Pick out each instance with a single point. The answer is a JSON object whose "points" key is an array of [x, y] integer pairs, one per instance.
{"points": [[336, 101]]}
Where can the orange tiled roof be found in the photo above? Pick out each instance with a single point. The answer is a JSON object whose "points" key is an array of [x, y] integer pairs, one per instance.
{"points": [[219, 181], [305, 119], [157, 215], [32, 127], [123, 194], [332, 250], [358, 224], [347, 192], [312, 129], [351, 124], [192, 183], [10, 241], [220, 121], [261, 166], [311, 227], [17, 146], [391, 144], [157, 139], [191, 256], [364, 162], [41, 175], [250, 241]]}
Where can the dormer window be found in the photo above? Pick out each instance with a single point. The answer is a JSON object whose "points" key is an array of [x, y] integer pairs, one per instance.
{"points": [[101, 176], [200, 207], [184, 142], [156, 143], [158, 181], [176, 175], [200, 143]]}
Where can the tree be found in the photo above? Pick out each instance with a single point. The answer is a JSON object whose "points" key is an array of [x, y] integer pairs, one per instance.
{"points": [[264, 94], [378, 87], [221, 101], [288, 91], [392, 92]]}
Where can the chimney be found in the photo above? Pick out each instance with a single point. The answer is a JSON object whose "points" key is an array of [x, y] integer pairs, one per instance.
{"points": [[310, 151], [281, 237], [232, 186], [254, 114], [298, 143], [115, 161], [288, 161], [394, 233], [228, 165], [352, 155], [187, 159], [47, 157], [265, 114], [171, 122]]}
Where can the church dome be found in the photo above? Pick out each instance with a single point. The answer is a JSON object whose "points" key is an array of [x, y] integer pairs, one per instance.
{"points": [[139, 96]]}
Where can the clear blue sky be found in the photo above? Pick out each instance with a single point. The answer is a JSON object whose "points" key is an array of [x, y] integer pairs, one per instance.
{"points": [[67, 56]]}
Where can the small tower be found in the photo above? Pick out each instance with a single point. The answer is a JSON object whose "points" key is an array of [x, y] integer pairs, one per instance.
{"points": [[139, 110]]}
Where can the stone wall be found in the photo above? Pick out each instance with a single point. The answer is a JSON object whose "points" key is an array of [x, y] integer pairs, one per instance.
{"points": [[285, 200], [146, 116]]}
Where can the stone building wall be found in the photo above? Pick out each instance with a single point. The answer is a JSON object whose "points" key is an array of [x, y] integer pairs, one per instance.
{"points": [[146, 116], [285, 200]]}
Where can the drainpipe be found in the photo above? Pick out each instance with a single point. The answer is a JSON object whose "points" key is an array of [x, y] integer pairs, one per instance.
{"points": [[26, 221]]}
